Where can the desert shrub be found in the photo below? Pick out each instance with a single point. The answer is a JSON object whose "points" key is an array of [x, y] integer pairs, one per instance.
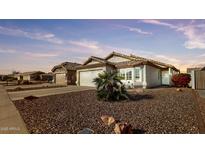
{"points": [[181, 80], [109, 87]]}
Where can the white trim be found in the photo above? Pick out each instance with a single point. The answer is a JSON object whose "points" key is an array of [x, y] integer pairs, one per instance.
{"points": [[193, 79], [144, 76]]}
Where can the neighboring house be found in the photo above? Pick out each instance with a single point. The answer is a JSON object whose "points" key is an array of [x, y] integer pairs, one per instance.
{"points": [[193, 68], [65, 73], [2, 77], [191, 71], [29, 76], [49, 77], [136, 71], [197, 77]]}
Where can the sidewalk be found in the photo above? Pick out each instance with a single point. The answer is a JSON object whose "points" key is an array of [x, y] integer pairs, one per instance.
{"points": [[10, 119]]}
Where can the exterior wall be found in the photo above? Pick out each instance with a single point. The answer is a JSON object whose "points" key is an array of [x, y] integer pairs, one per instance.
{"points": [[170, 72], [60, 78], [153, 76], [116, 59], [110, 68], [60, 71], [26, 77], [165, 77], [87, 69], [71, 77]]}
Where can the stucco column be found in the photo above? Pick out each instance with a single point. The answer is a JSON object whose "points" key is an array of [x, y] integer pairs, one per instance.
{"points": [[193, 79], [170, 76], [144, 83], [77, 78]]}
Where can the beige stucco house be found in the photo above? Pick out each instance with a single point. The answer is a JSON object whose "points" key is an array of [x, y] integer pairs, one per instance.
{"points": [[29, 76], [136, 71], [65, 73]]}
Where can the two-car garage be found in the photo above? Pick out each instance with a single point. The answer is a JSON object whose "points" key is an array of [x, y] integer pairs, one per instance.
{"points": [[86, 77]]}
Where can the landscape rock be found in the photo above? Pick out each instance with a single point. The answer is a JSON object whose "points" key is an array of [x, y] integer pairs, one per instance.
{"points": [[107, 120], [165, 111], [86, 131], [179, 89], [123, 128]]}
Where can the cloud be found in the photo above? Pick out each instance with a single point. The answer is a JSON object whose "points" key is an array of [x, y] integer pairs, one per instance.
{"points": [[158, 22], [48, 37], [194, 33], [41, 55], [86, 44], [202, 55], [7, 50], [135, 30], [167, 58]]}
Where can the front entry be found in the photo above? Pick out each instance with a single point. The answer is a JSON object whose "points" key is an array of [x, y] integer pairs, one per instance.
{"points": [[165, 78]]}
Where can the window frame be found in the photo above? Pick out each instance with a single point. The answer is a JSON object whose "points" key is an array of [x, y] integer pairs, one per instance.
{"points": [[140, 74], [129, 75]]}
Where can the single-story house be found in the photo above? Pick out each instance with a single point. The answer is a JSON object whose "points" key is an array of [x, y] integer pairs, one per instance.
{"points": [[2, 77], [29, 76], [65, 73], [49, 77], [136, 71]]}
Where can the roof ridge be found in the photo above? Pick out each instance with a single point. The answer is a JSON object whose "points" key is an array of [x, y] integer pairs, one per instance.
{"points": [[151, 60]]}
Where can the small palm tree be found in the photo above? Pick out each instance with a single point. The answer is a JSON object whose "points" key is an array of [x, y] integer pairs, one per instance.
{"points": [[110, 87]]}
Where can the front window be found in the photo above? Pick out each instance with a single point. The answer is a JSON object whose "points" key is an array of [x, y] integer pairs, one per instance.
{"points": [[122, 75], [137, 74], [129, 75]]}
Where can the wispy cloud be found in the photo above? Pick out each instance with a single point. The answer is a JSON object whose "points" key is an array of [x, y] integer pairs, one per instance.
{"points": [[167, 59], [7, 50], [48, 37], [41, 55], [135, 30], [158, 22], [85, 43], [194, 33]]}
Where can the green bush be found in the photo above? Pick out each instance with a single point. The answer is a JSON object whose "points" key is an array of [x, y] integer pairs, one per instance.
{"points": [[109, 87]]}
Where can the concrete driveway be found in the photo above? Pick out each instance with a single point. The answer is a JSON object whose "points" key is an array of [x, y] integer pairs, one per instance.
{"points": [[46, 92], [31, 86]]}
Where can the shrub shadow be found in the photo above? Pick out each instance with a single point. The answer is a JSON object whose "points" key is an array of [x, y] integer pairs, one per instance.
{"points": [[137, 97], [138, 131]]}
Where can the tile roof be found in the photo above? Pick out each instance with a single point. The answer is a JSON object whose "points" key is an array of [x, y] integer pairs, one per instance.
{"points": [[101, 60], [132, 61], [66, 65], [30, 73]]}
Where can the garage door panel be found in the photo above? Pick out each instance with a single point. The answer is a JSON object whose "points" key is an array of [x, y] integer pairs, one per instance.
{"points": [[86, 77]]}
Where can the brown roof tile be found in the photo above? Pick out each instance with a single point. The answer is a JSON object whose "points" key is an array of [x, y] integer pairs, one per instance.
{"points": [[66, 65]]}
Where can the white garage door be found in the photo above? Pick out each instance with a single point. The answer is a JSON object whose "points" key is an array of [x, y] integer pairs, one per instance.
{"points": [[60, 78], [86, 78]]}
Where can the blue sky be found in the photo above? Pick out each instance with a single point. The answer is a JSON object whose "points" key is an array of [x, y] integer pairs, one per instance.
{"points": [[27, 45]]}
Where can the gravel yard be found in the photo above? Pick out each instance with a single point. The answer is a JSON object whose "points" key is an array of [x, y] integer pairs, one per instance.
{"points": [[161, 110]]}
